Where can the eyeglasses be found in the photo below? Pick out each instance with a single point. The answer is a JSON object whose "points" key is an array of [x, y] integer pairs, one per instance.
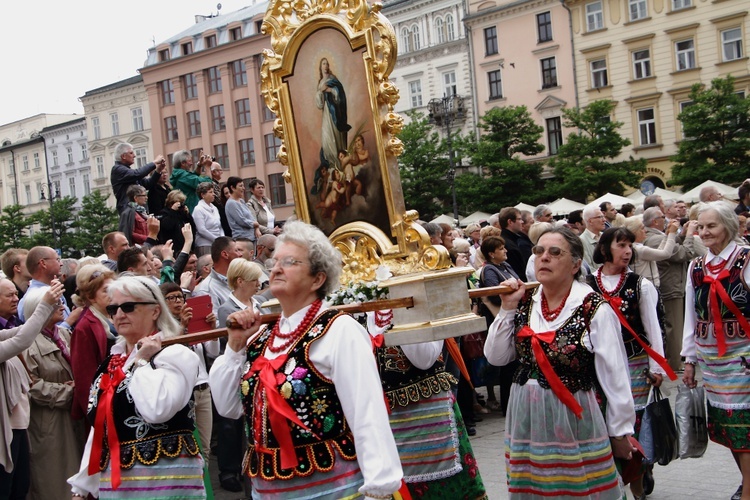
{"points": [[553, 251], [52, 258], [127, 307], [175, 298], [596, 217], [285, 263]]}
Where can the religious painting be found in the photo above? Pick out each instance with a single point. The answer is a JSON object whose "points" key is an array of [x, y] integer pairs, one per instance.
{"points": [[336, 135]]}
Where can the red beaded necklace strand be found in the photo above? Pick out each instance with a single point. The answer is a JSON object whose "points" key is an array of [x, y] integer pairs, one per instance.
{"points": [[608, 293], [292, 336], [552, 315]]}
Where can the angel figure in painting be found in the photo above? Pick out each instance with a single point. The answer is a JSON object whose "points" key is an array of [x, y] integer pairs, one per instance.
{"points": [[331, 99]]}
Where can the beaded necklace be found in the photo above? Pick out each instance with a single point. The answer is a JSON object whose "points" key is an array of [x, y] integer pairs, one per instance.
{"points": [[292, 336], [607, 293], [552, 315], [384, 318], [116, 362]]}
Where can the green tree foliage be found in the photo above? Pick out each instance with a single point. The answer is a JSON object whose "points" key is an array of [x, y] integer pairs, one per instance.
{"points": [[14, 228], [583, 165], [424, 168], [506, 179], [716, 128], [94, 220], [55, 229]]}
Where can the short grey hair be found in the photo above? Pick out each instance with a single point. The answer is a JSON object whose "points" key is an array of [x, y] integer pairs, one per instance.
{"points": [[143, 289], [493, 220], [539, 211], [121, 149], [179, 157], [574, 245], [589, 211], [68, 266], [650, 215], [669, 203], [432, 229], [633, 224], [324, 258], [32, 299], [726, 214]]}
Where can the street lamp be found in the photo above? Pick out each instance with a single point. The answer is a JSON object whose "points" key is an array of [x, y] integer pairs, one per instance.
{"points": [[52, 199], [444, 111]]}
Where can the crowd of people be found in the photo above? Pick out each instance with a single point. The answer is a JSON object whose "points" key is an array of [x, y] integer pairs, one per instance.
{"points": [[99, 402]]}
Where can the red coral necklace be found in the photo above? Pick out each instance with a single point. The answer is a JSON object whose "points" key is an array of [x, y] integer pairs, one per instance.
{"points": [[292, 336]]}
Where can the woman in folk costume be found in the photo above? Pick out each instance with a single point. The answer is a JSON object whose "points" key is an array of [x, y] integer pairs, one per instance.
{"points": [[717, 332], [558, 444], [141, 406], [430, 434], [634, 300], [305, 385]]}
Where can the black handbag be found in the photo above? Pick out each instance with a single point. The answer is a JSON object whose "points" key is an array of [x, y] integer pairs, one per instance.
{"points": [[658, 433]]}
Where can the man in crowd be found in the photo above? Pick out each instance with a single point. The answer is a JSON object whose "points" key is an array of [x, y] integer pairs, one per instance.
{"points": [[216, 172], [266, 247], [8, 305], [113, 245], [435, 232], [594, 220], [123, 176], [511, 225], [13, 264], [45, 265], [542, 213], [710, 193], [610, 213], [223, 251], [134, 261], [653, 200], [575, 222], [672, 276], [185, 179], [245, 247]]}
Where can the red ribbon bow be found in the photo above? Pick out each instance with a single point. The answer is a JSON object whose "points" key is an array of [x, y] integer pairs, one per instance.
{"points": [[616, 302], [562, 392], [377, 341], [716, 292], [279, 411], [108, 385]]}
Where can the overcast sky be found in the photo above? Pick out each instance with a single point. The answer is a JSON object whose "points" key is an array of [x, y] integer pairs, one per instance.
{"points": [[54, 52]]}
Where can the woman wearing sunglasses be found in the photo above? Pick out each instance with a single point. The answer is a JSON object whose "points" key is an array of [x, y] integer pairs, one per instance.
{"points": [[561, 333], [141, 405], [309, 385]]}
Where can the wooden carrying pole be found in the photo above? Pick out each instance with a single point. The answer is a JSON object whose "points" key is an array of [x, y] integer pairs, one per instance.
{"points": [[377, 305]]}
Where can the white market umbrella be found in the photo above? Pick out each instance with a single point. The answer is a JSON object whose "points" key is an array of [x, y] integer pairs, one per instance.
{"points": [[475, 217], [616, 200], [564, 206], [444, 219], [694, 194], [524, 206]]}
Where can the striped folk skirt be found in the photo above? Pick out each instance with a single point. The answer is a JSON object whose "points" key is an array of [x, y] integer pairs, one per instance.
{"points": [[169, 478], [549, 453]]}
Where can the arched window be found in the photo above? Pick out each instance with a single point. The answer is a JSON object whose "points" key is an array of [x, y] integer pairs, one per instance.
{"points": [[449, 28], [440, 30], [404, 40], [415, 37]]}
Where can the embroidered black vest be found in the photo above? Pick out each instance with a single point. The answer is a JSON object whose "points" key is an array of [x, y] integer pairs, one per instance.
{"points": [[567, 354], [630, 293], [139, 440], [313, 398], [736, 288], [403, 383]]}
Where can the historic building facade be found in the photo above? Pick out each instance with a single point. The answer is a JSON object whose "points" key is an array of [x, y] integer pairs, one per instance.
{"points": [[522, 55], [203, 89], [115, 113], [68, 170], [646, 54]]}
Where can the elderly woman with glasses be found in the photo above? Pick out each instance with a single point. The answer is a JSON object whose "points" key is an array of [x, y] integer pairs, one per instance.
{"points": [[56, 439], [558, 443], [93, 336], [308, 385], [134, 218], [141, 405], [717, 332]]}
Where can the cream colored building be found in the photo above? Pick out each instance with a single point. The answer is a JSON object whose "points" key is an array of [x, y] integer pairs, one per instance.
{"points": [[115, 113], [646, 54], [522, 55], [433, 57], [203, 89], [23, 174]]}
